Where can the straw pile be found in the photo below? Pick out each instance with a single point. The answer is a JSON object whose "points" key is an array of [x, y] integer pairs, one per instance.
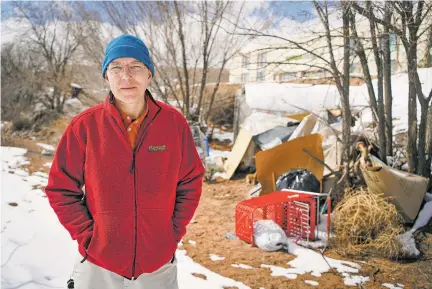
{"points": [[366, 223]]}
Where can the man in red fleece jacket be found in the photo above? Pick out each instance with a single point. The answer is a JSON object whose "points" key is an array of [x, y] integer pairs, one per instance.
{"points": [[142, 174]]}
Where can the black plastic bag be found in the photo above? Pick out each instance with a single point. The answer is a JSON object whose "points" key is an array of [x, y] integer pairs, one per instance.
{"points": [[298, 179]]}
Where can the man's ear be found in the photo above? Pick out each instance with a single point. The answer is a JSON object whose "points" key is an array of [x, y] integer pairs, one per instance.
{"points": [[106, 78]]}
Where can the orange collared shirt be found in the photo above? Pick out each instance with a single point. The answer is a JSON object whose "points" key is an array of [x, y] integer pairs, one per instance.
{"points": [[132, 126]]}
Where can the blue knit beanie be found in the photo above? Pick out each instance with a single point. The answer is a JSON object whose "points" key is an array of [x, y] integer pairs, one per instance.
{"points": [[127, 46]]}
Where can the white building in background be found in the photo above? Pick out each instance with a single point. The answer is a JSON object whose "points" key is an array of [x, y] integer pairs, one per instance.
{"points": [[264, 59]]}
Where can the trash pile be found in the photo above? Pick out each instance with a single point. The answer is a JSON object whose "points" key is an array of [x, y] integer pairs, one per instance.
{"points": [[294, 161]]}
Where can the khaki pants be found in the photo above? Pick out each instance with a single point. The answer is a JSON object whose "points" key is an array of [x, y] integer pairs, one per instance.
{"points": [[89, 276]]}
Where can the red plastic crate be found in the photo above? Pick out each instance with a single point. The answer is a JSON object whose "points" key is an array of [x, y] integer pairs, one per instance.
{"points": [[294, 213]]}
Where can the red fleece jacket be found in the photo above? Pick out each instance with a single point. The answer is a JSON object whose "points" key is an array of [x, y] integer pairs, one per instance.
{"points": [[137, 203]]}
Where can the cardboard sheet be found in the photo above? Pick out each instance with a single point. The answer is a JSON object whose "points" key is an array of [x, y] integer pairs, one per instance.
{"points": [[272, 163], [405, 190]]}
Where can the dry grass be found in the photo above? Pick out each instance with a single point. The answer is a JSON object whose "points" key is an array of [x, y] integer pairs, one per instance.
{"points": [[366, 223]]}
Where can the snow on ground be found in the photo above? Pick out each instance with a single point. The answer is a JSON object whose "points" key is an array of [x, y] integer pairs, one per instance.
{"points": [[391, 286], [37, 252], [222, 135], [193, 243], [46, 147], [216, 257], [217, 153], [311, 282], [242, 266], [309, 261]]}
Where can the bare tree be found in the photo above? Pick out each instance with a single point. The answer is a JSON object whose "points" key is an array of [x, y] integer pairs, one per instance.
{"points": [[380, 100], [360, 51], [346, 133], [210, 25], [54, 35], [409, 29], [19, 73]]}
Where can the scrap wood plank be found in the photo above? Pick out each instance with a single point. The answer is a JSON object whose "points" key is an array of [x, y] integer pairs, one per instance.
{"points": [[272, 163], [241, 144]]}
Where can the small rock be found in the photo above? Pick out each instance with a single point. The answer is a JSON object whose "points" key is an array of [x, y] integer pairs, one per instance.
{"points": [[13, 204], [231, 236], [46, 153]]}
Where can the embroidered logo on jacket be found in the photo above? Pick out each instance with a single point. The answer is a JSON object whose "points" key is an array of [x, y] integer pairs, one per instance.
{"points": [[160, 148]]}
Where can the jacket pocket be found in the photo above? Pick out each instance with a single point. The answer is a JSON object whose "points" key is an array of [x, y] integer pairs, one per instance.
{"points": [[111, 244], [156, 229]]}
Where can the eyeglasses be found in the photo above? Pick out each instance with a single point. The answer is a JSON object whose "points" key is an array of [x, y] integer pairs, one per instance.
{"points": [[134, 69]]}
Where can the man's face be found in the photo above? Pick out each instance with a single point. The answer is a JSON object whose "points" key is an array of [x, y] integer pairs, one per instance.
{"points": [[128, 79]]}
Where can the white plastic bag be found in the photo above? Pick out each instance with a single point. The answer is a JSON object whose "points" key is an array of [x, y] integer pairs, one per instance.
{"points": [[268, 236]]}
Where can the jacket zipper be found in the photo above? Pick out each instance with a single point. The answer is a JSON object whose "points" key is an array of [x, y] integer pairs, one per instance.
{"points": [[132, 170]]}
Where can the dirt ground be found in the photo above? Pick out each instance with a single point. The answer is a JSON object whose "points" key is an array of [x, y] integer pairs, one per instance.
{"points": [[215, 217]]}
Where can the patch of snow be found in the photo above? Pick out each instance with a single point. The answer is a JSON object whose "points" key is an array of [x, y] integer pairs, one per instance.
{"points": [[218, 153], [242, 266], [46, 147], [214, 257], [193, 243], [309, 261], [391, 286], [219, 175], [222, 135], [49, 164], [354, 280], [311, 282], [279, 271], [186, 266]]}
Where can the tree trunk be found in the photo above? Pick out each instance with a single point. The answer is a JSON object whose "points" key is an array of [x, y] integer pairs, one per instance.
{"points": [[412, 109], [429, 144], [427, 57], [205, 57], [387, 84], [346, 134], [380, 102], [365, 67], [184, 58], [212, 98], [421, 164]]}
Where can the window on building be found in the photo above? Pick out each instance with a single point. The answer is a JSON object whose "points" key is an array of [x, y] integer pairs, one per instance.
{"points": [[393, 66], [287, 76], [352, 45], [245, 61], [245, 77], [262, 59], [260, 75], [393, 42], [355, 67]]}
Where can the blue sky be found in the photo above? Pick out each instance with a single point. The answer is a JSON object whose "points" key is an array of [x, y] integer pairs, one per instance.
{"points": [[295, 10]]}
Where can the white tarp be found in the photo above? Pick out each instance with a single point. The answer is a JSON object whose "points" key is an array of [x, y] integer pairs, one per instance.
{"points": [[259, 122]]}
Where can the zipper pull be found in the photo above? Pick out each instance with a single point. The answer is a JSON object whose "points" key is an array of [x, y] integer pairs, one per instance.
{"points": [[133, 164]]}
